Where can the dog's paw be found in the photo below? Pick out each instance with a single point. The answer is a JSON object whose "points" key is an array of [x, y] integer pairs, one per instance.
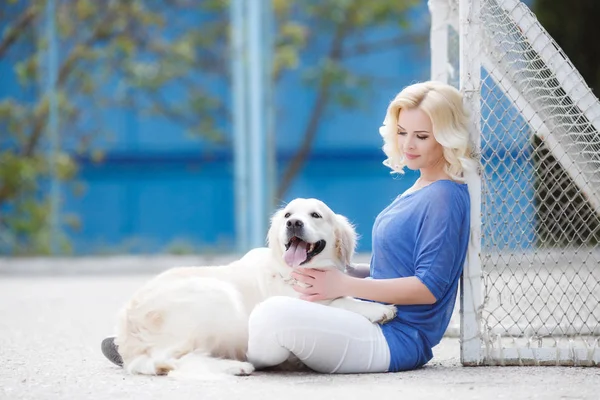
{"points": [[239, 368], [374, 312], [381, 313]]}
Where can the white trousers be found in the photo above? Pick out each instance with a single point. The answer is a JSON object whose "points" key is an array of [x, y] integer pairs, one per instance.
{"points": [[326, 339]]}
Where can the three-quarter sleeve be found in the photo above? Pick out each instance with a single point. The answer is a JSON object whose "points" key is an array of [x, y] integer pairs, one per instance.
{"points": [[438, 245]]}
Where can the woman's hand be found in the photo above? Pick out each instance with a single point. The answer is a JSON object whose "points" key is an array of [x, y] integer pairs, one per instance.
{"points": [[322, 284]]}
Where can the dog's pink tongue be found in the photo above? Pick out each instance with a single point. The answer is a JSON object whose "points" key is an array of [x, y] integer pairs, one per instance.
{"points": [[295, 254]]}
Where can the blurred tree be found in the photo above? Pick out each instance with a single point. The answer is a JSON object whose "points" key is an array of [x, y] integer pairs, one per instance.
{"points": [[145, 48], [341, 30], [573, 24], [108, 51]]}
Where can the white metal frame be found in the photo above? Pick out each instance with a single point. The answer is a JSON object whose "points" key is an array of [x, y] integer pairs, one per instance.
{"points": [[476, 348], [571, 82]]}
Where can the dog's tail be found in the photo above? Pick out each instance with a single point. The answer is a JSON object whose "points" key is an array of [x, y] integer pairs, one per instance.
{"points": [[143, 352], [138, 340], [156, 336]]}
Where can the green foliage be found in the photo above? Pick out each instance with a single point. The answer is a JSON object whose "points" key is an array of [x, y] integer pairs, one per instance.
{"points": [[128, 53], [132, 43]]}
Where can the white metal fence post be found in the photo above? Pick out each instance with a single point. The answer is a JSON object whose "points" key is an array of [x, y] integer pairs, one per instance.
{"points": [[470, 85]]}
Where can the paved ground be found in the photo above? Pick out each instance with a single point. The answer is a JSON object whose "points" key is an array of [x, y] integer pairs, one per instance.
{"points": [[51, 327]]}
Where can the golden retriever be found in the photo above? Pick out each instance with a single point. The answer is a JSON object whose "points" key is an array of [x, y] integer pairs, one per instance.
{"points": [[189, 321]]}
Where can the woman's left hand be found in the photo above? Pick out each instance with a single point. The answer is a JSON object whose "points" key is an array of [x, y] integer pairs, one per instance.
{"points": [[322, 284]]}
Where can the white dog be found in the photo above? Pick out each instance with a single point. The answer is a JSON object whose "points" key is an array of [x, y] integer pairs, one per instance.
{"points": [[192, 320]]}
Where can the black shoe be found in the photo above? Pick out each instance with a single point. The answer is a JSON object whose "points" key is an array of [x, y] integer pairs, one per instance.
{"points": [[111, 351]]}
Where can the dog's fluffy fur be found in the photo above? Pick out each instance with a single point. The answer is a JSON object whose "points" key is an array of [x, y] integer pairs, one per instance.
{"points": [[191, 320]]}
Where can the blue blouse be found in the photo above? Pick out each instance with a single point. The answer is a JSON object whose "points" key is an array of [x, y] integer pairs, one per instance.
{"points": [[423, 234]]}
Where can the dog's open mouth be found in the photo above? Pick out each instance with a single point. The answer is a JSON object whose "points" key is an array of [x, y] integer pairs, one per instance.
{"points": [[299, 252]]}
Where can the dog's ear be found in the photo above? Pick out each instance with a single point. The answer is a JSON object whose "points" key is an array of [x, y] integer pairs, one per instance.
{"points": [[345, 239], [272, 235]]}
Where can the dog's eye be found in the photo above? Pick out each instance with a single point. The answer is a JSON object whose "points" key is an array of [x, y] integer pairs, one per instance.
{"points": [[315, 215], [287, 215]]}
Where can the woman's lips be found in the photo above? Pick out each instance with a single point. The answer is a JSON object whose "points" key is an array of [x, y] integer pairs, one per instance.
{"points": [[410, 156]]}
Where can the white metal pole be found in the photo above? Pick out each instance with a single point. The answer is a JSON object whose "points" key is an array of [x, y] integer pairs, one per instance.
{"points": [[470, 86], [257, 121], [53, 126], [438, 39], [240, 123], [270, 108]]}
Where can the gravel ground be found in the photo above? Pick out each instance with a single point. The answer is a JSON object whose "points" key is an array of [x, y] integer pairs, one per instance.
{"points": [[51, 328]]}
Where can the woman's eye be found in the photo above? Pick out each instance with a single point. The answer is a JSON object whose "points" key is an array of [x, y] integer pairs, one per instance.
{"points": [[287, 215], [401, 133], [315, 215], [422, 137]]}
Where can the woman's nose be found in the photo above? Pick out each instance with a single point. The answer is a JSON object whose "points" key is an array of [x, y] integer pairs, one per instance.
{"points": [[409, 144]]}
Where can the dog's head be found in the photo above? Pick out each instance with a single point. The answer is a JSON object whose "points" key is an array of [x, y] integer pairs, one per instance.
{"points": [[307, 233]]}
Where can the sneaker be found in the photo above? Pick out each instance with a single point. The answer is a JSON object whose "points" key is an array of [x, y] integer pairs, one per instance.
{"points": [[111, 351]]}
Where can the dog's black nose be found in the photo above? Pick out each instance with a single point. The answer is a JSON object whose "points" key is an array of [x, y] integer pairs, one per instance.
{"points": [[294, 223]]}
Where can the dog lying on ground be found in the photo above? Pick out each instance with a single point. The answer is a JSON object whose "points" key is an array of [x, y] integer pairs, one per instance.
{"points": [[191, 320]]}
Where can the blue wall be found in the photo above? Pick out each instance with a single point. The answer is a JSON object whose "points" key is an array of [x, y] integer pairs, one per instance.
{"points": [[185, 203]]}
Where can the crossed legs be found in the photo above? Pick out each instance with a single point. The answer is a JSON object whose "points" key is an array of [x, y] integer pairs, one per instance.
{"points": [[326, 339]]}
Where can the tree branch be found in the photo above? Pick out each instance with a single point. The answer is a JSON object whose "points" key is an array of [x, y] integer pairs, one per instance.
{"points": [[65, 70], [21, 23], [42, 112], [310, 132]]}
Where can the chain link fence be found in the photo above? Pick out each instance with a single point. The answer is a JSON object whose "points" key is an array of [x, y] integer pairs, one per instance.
{"points": [[537, 288]]}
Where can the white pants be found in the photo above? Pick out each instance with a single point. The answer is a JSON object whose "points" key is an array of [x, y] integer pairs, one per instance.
{"points": [[326, 339]]}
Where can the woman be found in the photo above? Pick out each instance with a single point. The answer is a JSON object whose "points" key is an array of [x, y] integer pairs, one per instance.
{"points": [[419, 247]]}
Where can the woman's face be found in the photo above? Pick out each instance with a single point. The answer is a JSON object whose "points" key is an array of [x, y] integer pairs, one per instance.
{"points": [[415, 139]]}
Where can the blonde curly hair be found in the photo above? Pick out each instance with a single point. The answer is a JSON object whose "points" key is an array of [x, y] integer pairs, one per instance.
{"points": [[443, 105]]}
